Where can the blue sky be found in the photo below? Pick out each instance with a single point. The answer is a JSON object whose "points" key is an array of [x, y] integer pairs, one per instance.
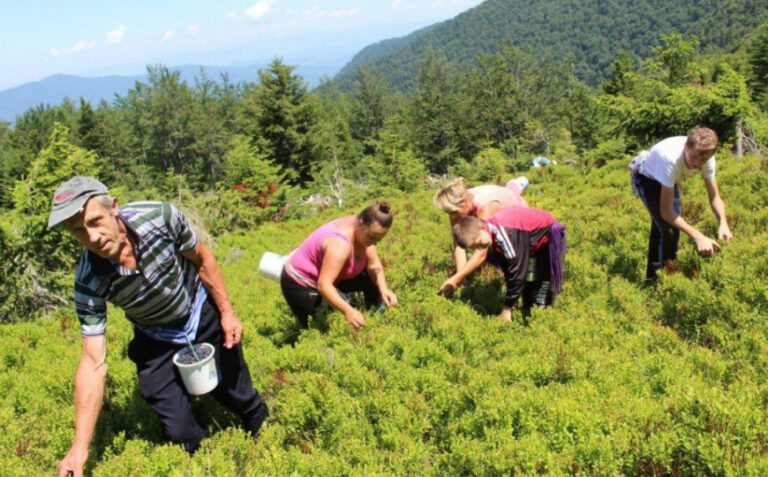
{"points": [[89, 38]]}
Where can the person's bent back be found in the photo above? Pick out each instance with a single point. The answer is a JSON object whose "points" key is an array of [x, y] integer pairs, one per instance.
{"points": [[339, 257], [482, 201], [531, 247]]}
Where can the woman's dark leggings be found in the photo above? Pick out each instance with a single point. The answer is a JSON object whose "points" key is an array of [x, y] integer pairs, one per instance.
{"points": [[305, 301], [664, 237]]}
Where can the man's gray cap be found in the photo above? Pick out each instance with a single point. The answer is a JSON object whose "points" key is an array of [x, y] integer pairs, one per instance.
{"points": [[71, 196]]}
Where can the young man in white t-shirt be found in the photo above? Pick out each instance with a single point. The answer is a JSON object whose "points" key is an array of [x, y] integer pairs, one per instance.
{"points": [[656, 178]]}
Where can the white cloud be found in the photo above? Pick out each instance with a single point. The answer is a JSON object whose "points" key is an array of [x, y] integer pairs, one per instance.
{"points": [[259, 9], [314, 12], [192, 29], [168, 35], [289, 11], [317, 12], [344, 13], [116, 36], [395, 4], [80, 46], [77, 48]]}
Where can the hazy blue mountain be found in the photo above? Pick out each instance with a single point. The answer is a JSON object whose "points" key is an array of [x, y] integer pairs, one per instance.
{"points": [[53, 89], [318, 54], [588, 32]]}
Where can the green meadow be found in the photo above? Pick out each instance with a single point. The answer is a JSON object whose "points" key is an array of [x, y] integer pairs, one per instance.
{"points": [[617, 378]]}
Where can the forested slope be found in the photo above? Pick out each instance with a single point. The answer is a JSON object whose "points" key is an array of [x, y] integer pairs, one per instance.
{"points": [[616, 379], [372, 52], [589, 32]]}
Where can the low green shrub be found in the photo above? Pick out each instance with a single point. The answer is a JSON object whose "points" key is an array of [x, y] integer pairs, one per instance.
{"points": [[617, 378]]}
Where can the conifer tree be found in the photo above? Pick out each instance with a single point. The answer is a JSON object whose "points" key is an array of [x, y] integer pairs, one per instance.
{"points": [[758, 62], [621, 71], [41, 264], [86, 126], [433, 113], [369, 105], [285, 115]]}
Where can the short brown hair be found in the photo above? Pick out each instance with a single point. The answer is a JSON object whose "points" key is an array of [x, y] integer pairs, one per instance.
{"points": [[702, 139], [380, 212], [466, 230]]}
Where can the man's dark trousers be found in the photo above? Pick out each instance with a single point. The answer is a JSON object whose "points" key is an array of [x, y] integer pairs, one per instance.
{"points": [[664, 237], [161, 386]]}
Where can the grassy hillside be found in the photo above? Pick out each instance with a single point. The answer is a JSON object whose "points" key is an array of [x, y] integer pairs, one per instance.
{"points": [[590, 32], [616, 379]]}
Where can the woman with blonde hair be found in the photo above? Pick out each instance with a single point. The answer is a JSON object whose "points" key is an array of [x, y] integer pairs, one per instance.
{"points": [[481, 202]]}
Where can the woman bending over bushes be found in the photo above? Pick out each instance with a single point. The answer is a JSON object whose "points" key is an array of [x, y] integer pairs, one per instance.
{"points": [[481, 202], [340, 256]]}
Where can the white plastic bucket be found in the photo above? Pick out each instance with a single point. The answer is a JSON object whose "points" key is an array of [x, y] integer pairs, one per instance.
{"points": [[271, 265], [199, 377]]}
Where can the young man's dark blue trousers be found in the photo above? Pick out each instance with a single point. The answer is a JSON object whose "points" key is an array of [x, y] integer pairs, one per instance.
{"points": [[664, 237], [161, 386]]}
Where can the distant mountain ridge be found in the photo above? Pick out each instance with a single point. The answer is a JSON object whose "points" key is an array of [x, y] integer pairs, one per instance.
{"points": [[379, 49], [53, 89], [589, 31]]}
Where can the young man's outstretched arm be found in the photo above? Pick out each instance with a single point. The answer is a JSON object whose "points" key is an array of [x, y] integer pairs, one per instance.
{"points": [[718, 208], [704, 244]]}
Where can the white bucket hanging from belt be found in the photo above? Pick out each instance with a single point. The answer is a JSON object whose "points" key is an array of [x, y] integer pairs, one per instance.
{"points": [[271, 265]]}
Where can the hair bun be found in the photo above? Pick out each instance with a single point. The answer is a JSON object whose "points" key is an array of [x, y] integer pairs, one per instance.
{"points": [[377, 212]]}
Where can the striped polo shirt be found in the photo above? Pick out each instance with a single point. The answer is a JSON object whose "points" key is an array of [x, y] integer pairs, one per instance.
{"points": [[162, 294]]}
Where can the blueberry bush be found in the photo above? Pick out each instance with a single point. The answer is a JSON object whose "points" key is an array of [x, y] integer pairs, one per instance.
{"points": [[617, 378]]}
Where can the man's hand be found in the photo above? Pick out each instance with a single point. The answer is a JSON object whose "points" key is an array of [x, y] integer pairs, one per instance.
{"points": [[707, 246], [232, 329], [389, 298], [355, 318], [447, 288], [74, 462], [506, 314], [724, 233]]}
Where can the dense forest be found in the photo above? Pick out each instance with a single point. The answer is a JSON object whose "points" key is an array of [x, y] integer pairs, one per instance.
{"points": [[586, 33], [618, 378]]}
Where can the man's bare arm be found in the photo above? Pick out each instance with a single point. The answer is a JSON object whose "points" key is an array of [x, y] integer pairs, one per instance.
{"points": [[89, 393], [210, 273]]}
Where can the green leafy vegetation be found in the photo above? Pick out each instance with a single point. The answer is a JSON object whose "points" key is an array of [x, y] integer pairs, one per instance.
{"points": [[618, 378]]}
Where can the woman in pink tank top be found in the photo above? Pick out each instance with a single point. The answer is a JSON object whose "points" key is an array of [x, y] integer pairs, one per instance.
{"points": [[340, 256], [481, 202]]}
